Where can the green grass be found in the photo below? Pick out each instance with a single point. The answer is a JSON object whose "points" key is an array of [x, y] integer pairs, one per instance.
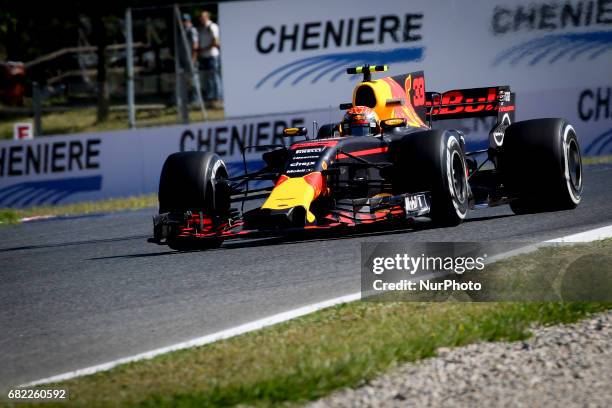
{"points": [[9, 216], [309, 357], [597, 160], [12, 216], [554, 273], [84, 120]]}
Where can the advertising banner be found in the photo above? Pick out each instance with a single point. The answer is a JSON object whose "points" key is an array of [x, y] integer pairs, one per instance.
{"points": [[555, 54], [294, 55], [63, 169]]}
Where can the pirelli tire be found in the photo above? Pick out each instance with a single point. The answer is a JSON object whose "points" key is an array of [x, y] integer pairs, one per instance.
{"points": [[194, 181], [434, 161], [542, 166]]}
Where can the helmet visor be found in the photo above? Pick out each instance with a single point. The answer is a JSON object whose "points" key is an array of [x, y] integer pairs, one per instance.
{"points": [[360, 130]]}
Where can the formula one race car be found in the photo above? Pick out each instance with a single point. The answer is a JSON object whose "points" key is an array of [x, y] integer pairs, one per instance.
{"points": [[382, 164]]}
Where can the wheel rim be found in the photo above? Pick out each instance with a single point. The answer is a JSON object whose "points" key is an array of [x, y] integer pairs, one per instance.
{"points": [[574, 165], [219, 174], [458, 176]]}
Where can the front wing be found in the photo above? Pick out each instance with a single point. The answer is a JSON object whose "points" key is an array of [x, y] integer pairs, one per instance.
{"points": [[347, 213]]}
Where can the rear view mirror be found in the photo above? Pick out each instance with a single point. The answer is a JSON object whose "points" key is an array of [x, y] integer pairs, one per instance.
{"points": [[295, 131], [393, 122]]}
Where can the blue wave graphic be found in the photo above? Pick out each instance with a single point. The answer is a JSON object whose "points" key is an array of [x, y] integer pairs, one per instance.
{"points": [[334, 65], [601, 145], [552, 48], [47, 192]]}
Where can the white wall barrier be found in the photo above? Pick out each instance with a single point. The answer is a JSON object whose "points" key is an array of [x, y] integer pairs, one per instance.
{"points": [[63, 169], [294, 55], [555, 54]]}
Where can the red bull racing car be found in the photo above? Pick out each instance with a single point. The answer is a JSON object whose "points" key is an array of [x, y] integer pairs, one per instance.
{"points": [[383, 163]]}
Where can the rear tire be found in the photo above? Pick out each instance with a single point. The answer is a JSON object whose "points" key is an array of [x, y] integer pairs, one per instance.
{"points": [[194, 181], [541, 166], [435, 161]]}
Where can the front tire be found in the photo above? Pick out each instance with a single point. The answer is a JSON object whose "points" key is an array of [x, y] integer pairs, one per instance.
{"points": [[435, 161], [194, 181]]}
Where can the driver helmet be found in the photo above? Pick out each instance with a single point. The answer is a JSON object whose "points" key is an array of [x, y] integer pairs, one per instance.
{"points": [[360, 121]]}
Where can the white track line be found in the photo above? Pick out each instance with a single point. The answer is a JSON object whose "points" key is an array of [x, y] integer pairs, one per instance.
{"points": [[37, 218], [200, 341], [586, 236]]}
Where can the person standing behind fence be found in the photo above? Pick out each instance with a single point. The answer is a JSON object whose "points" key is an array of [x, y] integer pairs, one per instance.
{"points": [[189, 52], [193, 44], [210, 61]]}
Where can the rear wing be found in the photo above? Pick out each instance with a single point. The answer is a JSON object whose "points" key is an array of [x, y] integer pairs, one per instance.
{"points": [[403, 96], [471, 103]]}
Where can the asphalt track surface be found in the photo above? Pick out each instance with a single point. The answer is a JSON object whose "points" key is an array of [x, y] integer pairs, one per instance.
{"points": [[82, 291]]}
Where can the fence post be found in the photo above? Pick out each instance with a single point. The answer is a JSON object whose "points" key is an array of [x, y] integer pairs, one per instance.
{"points": [[130, 68], [37, 108], [181, 102]]}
